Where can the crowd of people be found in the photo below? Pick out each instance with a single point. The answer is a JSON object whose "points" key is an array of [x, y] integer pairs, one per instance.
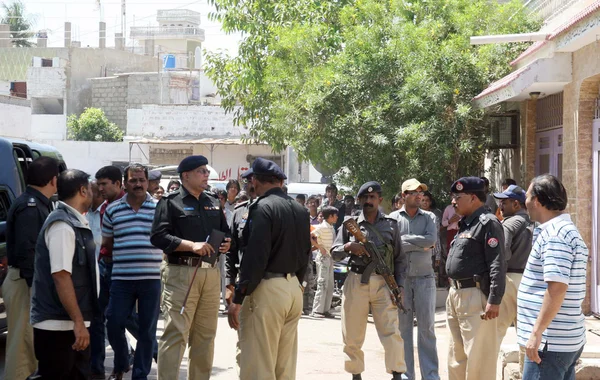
{"points": [[117, 251]]}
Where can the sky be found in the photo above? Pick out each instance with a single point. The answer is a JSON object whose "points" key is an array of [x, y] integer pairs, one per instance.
{"points": [[85, 15]]}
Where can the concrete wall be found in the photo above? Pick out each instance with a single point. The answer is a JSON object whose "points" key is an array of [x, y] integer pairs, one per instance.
{"points": [[49, 127], [90, 156], [14, 62], [15, 120], [88, 63], [183, 122], [46, 82]]}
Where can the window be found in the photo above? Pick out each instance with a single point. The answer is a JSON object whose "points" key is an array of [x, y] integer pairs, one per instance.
{"points": [[504, 130], [4, 205]]}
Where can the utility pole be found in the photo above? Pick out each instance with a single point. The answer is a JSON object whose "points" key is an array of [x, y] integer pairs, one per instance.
{"points": [[124, 20]]}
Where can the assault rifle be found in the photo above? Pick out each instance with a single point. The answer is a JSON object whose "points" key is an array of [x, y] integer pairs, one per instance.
{"points": [[377, 264]]}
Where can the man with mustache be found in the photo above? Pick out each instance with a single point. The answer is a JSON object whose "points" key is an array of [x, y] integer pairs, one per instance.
{"points": [[384, 233]]}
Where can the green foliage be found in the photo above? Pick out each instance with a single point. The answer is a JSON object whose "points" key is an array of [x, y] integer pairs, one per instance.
{"points": [[383, 88], [92, 125], [20, 24]]}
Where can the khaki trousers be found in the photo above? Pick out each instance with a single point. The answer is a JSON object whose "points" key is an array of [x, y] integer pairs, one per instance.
{"points": [[508, 307], [268, 334], [20, 360], [355, 311], [196, 327], [473, 350]]}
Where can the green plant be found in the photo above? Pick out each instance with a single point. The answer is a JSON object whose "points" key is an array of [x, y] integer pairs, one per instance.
{"points": [[20, 23], [92, 125]]}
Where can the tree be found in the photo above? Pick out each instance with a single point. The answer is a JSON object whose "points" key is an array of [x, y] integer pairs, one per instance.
{"points": [[92, 125], [20, 24], [382, 88]]}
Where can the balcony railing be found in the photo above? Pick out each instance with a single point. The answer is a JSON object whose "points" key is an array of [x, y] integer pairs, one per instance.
{"points": [[547, 9], [185, 15], [148, 32]]}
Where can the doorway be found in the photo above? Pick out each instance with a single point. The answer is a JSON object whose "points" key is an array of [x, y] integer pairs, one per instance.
{"points": [[595, 304], [549, 152]]}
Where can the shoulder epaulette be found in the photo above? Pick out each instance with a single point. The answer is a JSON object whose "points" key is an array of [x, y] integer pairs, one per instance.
{"points": [[486, 217], [172, 194]]}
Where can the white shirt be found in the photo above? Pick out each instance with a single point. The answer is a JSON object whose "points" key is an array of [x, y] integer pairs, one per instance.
{"points": [[60, 240], [325, 234], [95, 221]]}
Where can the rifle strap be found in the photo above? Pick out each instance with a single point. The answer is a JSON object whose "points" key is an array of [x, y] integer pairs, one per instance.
{"points": [[374, 230]]}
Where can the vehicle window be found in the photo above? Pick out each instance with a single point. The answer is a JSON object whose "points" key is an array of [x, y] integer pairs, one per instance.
{"points": [[4, 205], [35, 154], [19, 164]]}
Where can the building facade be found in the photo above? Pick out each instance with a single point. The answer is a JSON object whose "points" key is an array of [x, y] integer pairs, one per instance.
{"points": [[552, 97]]}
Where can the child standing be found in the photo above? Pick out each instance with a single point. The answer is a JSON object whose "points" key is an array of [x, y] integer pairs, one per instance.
{"points": [[322, 239]]}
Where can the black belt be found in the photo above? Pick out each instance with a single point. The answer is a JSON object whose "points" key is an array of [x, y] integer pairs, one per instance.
{"points": [[270, 275], [358, 269], [515, 271], [188, 261], [462, 283]]}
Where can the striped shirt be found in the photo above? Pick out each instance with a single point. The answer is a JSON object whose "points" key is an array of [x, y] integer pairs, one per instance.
{"points": [[558, 255], [134, 257], [325, 234]]}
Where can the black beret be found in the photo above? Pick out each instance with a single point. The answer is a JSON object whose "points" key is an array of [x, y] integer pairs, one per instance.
{"points": [[468, 185], [262, 166], [191, 163], [154, 175], [369, 187]]}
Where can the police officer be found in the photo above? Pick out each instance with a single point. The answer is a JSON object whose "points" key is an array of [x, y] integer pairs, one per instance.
{"points": [[518, 234], [234, 256], [154, 177], [276, 241], [357, 297], [25, 219], [476, 270], [182, 223]]}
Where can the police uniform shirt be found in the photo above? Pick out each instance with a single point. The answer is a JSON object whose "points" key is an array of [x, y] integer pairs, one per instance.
{"points": [[478, 248], [276, 239], [388, 228], [234, 256], [24, 222], [181, 216]]}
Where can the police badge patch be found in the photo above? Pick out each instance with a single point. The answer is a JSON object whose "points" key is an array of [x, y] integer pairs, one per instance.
{"points": [[31, 202], [492, 242], [459, 186]]}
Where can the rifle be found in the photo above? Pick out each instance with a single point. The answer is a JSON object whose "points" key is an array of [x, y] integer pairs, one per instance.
{"points": [[377, 263]]}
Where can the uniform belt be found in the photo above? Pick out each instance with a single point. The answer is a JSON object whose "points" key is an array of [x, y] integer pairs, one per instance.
{"points": [[358, 269], [515, 271], [188, 261], [270, 275], [463, 283]]}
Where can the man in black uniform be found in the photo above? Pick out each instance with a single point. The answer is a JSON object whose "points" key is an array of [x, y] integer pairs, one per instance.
{"points": [[276, 241], [182, 223], [25, 219], [477, 272]]}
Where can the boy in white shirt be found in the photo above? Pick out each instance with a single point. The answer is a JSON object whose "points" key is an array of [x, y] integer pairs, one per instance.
{"points": [[322, 237]]}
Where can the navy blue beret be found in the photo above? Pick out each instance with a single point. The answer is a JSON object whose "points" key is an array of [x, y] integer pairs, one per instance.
{"points": [[262, 166], [369, 187], [468, 185], [191, 163], [154, 175]]}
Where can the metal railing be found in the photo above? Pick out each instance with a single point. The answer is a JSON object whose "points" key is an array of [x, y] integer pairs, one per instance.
{"points": [[160, 31], [168, 15], [547, 9]]}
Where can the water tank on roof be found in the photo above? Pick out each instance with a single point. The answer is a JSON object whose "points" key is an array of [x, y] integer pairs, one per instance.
{"points": [[169, 61]]}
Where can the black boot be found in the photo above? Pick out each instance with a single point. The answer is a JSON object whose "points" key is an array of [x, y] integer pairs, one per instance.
{"points": [[396, 375], [357, 377]]}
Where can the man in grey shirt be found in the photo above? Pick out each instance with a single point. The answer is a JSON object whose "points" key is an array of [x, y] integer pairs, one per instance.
{"points": [[419, 235], [518, 231]]}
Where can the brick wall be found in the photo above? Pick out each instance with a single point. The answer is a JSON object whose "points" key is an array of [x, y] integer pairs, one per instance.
{"points": [[110, 95]]}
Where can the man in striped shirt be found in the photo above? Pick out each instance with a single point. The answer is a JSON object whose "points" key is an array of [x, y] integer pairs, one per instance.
{"points": [[550, 321], [126, 230]]}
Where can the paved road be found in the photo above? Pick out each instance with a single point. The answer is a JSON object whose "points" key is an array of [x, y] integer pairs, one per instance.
{"points": [[320, 351]]}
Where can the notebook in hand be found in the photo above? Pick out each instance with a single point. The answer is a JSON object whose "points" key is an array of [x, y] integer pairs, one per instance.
{"points": [[215, 239]]}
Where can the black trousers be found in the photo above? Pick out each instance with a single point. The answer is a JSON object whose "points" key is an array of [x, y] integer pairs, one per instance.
{"points": [[56, 358]]}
